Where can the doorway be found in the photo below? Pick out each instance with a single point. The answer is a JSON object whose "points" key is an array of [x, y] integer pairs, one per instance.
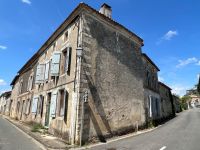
{"points": [[48, 104]]}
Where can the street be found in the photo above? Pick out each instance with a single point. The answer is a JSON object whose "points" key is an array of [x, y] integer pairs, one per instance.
{"points": [[181, 133], [13, 139]]}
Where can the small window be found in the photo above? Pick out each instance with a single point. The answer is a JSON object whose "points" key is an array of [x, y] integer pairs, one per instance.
{"points": [[54, 46], [66, 36]]}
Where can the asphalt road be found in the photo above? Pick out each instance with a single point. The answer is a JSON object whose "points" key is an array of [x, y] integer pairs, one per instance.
{"points": [[180, 133], [13, 139]]}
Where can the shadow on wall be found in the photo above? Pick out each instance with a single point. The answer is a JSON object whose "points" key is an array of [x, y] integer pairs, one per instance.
{"points": [[98, 118]]}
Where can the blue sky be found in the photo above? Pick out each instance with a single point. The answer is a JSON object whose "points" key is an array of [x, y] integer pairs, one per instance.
{"points": [[170, 29]]}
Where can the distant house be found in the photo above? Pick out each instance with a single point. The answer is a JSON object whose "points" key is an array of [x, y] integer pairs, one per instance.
{"points": [[167, 104], [5, 103], [151, 89]]}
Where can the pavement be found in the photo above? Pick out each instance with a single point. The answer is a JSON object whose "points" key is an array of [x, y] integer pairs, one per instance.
{"points": [[43, 141], [13, 139], [180, 133]]}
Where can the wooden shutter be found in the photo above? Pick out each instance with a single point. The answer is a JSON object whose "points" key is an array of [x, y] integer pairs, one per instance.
{"points": [[28, 106], [46, 76], [55, 64], [68, 59], [53, 103], [37, 78], [34, 105]]}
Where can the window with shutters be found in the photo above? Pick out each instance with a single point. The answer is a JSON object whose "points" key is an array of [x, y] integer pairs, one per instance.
{"points": [[55, 64], [53, 104], [30, 83], [40, 73], [40, 105], [66, 60], [21, 86], [46, 76], [28, 104], [62, 104], [34, 105]]}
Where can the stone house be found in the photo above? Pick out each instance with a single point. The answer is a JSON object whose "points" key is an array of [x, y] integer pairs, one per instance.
{"points": [[5, 103], [167, 104], [86, 80], [151, 89]]}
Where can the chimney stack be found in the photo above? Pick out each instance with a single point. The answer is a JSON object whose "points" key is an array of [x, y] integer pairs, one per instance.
{"points": [[106, 10]]}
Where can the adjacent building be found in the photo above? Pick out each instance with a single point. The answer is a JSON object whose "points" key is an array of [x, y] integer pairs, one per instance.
{"points": [[151, 90], [167, 104], [177, 104], [5, 103]]}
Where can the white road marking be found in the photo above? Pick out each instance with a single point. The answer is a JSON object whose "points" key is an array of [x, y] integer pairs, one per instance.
{"points": [[164, 147]]}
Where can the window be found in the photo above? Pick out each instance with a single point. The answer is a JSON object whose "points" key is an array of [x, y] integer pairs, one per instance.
{"points": [[28, 104], [40, 73], [20, 87], [54, 46], [46, 75], [34, 105], [40, 105], [62, 104], [66, 36], [55, 64], [30, 83], [66, 61]]}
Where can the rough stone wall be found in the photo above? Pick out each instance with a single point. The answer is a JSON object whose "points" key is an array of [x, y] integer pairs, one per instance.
{"points": [[166, 101], [112, 72], [177, 104], [150, 76], [14, 96]]}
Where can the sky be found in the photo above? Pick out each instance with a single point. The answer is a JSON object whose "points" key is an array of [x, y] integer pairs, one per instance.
{"points": [[169, 28]]}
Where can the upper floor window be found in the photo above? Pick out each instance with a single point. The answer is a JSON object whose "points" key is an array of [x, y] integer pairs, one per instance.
{"points": [[30, 83], [20, 87], [66, 63], [66, 36]]}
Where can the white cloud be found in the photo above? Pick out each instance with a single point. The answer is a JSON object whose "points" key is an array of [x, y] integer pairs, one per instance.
{"points": [[179, 89], [188, 61], [161, 79], [2, 82], [26, 1], [3, 47], [169, 35]]}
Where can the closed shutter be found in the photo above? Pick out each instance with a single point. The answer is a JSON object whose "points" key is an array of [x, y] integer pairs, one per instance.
{"points": [[68, 59], [53, 103], [46, 76], [28, 106], [55, 64], [38, 72], [34, 105]]}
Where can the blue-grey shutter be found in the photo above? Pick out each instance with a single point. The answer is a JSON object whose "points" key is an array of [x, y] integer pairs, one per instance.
{"points": [[42, 68], [55, 64], [53, 103], [34, 105], [37, 78], [46, 76]]}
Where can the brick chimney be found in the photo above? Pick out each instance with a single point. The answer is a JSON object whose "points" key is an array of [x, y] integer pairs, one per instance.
{"points": [[106, 10]]}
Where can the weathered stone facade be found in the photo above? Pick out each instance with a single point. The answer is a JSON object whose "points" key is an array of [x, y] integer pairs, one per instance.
{"points": [[5, 103], [87, 81], [151, 91], [167, 105], [177, 104]]}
